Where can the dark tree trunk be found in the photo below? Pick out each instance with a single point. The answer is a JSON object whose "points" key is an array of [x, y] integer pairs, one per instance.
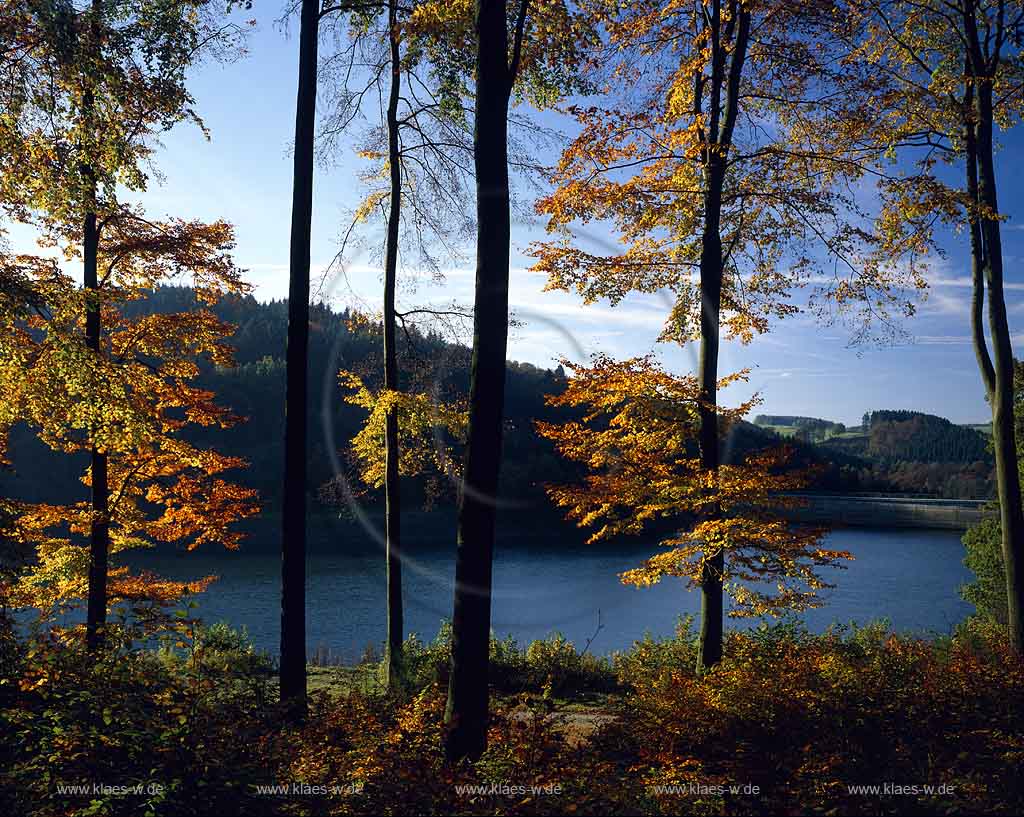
{"points": [[709, 650], [726, 70], [466, 713], [99, 528], [987, 266], [988, 375], [293, 528], [392, 495]]}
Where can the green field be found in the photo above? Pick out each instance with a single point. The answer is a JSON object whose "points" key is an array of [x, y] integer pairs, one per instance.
{"points": [[789, 431]]}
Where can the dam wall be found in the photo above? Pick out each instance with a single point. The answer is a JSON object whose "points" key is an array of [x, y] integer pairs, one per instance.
{"points": [[872, 510]]}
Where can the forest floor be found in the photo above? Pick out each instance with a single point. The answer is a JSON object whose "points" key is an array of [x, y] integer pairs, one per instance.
{"points": [[576, 716], [861, 722]]}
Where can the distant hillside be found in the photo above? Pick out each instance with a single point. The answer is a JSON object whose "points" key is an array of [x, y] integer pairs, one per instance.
{"points": [[907, 452], [809, 429], [916, 452], [896, 451], [834, 470], [255, 389], [917, 437]]}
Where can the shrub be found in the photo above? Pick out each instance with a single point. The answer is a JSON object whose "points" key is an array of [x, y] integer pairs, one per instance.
{"points": [[651, 659], [802, 717], [128, 717], [428, 664], [985, 559], [217, 648], [555, 664], [805, 717]]}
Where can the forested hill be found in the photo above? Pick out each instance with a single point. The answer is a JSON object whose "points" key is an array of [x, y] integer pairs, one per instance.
{"points": [[911, 435], [913, 452], [255, 390], [902, 452]]}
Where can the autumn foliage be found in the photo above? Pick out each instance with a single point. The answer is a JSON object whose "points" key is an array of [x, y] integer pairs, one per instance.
{"points": [[135, 401], [747, 104], [802, 717], [726, 145], [636, 439], [807, 717], [427, 428]]}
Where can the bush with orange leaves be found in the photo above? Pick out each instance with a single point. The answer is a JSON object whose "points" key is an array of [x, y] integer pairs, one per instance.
{"points": [[803, 718], [367, 756], [810, 719]]}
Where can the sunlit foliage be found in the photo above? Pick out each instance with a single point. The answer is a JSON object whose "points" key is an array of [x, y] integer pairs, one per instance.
{"points": [[133, 402], [646, 151], [86, 86], [427, 428], [637, 441]]}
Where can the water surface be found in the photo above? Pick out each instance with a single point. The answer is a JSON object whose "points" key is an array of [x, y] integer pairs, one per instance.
{"points": [[547, 584]]}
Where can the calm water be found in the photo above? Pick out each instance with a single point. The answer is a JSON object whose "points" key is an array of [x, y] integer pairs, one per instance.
{"points": [[908, 576]]}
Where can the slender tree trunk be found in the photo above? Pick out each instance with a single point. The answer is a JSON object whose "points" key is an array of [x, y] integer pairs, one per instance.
{"points": [[1011, 510], [466, 713], [988, 376], [392, 495], [99, 527], [724, 99], [293, 545], [709, 650]]}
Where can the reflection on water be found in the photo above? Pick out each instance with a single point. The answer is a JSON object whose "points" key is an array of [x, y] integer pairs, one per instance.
{"points": [[908, 576]]}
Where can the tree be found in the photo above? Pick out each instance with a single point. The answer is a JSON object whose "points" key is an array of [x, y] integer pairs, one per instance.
{"points": [[420, 148], [950, 73], [983, 542], [395, 629], [293, 516], [636, 439], [544, 46], [725, 162], [984, 558], [89, 89], [130, 399], [467, 708]]}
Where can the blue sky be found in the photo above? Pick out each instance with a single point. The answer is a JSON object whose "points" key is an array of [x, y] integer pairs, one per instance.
{"points": [[243, 174]]}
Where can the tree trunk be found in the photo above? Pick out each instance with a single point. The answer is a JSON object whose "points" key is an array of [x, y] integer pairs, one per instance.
{"points": [[466, 713], [1011, 512], [293, 528], [99, 528], [725, 82], [988, 376], [392, 495], [709, 649]]}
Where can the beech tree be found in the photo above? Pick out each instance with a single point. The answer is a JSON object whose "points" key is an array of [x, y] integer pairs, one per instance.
{"points": [[725, 160], [88, 90], [949, 74], [421, 151], [418, 168], [520, 52], [636, 439], [293, 516], [129, 399]]}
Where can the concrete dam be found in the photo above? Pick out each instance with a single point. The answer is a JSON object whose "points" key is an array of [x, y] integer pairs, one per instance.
{"points": [[875, 510]]}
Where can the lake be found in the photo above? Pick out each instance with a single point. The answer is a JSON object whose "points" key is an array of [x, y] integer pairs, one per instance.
{"points": [[543, 585]]}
